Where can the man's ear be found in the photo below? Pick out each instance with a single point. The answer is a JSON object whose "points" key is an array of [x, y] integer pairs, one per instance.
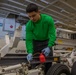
{"points": [[39, 11]]}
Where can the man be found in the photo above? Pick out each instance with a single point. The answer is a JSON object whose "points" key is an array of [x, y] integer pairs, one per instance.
{"points": [[40, 32]]}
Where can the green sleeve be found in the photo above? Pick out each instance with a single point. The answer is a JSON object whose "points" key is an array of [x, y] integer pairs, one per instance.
{"points": [[29, 39], [51, 33]]}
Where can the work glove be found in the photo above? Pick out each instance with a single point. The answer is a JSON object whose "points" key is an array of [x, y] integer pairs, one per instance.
{"points": [[29, 57], [46, 51]]}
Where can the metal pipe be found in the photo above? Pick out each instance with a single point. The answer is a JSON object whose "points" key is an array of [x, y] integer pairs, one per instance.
{"points": [[11, 67]]}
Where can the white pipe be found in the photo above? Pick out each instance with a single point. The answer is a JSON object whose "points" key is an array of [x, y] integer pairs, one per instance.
{"points": [[11, 10], [61, 51], [7, 39], [45, 1], [11, 67], [16, 2], [67, 4], [12, 6], [66, 30]]}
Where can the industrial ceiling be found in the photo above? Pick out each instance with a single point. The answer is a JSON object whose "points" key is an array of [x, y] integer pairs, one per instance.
{"points": [[63, 11]]}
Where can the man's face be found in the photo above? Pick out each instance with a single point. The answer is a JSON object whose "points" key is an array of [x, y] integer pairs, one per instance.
{"points": [[34, 16]]}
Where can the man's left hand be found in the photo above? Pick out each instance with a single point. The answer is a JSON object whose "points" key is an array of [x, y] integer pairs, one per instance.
{"points": [[46, 51]]}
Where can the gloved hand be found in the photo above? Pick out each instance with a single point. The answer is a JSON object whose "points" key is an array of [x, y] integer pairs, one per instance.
{"points": [[29, 57], [46, 51]]}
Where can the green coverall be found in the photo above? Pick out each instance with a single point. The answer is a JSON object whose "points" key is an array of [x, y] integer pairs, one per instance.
{"points": [[41, 30]]}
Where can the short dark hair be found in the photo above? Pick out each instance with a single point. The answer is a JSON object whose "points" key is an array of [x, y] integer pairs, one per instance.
{"points": [[31, 7]]}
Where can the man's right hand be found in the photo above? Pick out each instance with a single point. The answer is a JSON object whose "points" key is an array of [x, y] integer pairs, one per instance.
{"points": [[29, 57]]}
